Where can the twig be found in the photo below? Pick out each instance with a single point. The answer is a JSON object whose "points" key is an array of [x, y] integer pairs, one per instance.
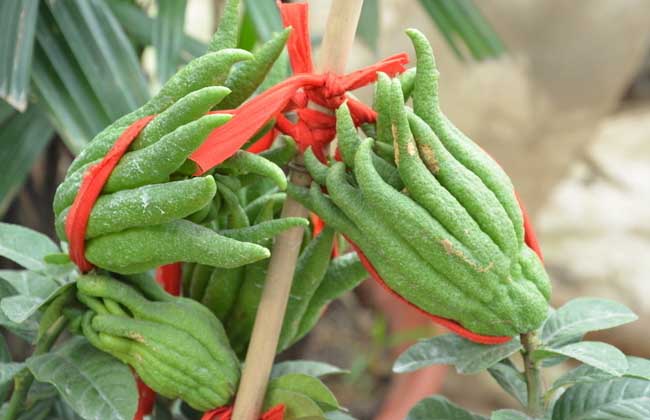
{"points": [[534, 385], [337, 43], [24, 378]]}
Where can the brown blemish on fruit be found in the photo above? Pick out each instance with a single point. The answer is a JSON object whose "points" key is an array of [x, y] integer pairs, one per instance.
{"points": [[450, 250], [393, 129], [429, 157], [411, 149], [136, 337]]}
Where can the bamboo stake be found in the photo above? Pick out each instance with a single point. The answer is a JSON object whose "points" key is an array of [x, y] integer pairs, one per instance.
{"points": [[337, 43]]}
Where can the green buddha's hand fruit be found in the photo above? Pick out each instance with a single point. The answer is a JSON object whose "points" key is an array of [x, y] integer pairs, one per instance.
{"points": [[151, 165], [247, 77], [145, 206], [310, 271], [208, 70], [177, 346], [343, 274], [451, 241], [143, 248]]}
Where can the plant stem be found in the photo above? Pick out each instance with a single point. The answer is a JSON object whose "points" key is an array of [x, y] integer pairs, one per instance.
{"points": [[24, 378], [337, 43], [534, 384]]}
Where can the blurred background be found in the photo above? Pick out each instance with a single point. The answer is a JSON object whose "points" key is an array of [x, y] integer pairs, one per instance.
{"points": [[558, 92]]}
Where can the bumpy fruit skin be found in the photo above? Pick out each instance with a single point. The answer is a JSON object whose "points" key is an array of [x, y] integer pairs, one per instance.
{"points": [[448, 237], [177, 346]]}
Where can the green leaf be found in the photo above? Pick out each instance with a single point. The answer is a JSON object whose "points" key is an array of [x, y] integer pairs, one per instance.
{"points": [[103, 52], [309, 386], [8, 371], [637, 368], [26, 330], [56, 100], [461, 20], [440, 408], [579, 316], [474, 357], [511, 380], [621, 398], [450, 349], [95, 384], [509, 415], [140, 27], [85, 71], [439, 350], [21, 307], [23, 138], [600, 355], [64, 411], [25, 246], [305, 367], [168, 31], [265, 16], [17, 23], [297, 406], [247, 33], [368, 28], [338, 415], [29, 283]]}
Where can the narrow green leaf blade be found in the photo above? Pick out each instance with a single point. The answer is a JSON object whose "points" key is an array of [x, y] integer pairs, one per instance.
{"points": [[103, 52], [17, 24], [265, 16], [168, 31], [23, 138], [368, 28], [440, 408], [621, 398], [461, 20], [599, 355], [140, 27], [95, 384], [582, 315]]}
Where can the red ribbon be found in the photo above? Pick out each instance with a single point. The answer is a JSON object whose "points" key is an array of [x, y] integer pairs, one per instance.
{"points": [[91, 187], [313, 128], [529, 238], [225, 413]]}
